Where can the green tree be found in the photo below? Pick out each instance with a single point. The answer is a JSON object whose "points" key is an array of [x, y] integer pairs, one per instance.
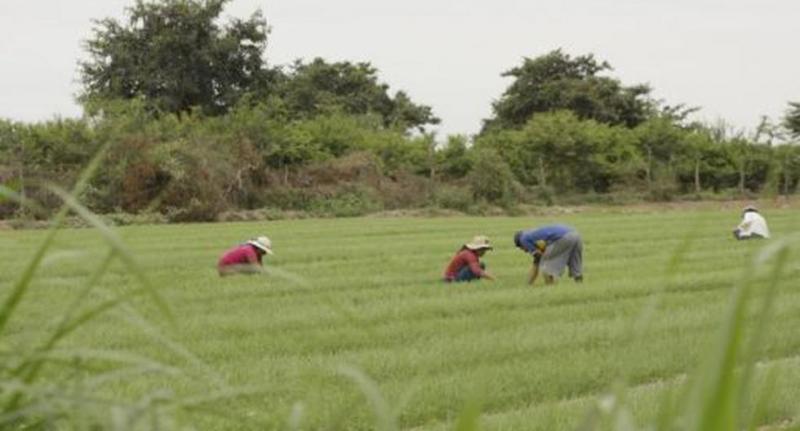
{"points": [[12, 165], [176, 56], [578, 155], [319, 87], [558, 81], [282, 144], [491, 178], [660, 143], [792, 119], [454, 159], [787, 166], [560, 150], [697, 157]]}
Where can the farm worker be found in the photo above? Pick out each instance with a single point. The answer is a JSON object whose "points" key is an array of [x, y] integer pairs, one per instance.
{"points": [[466, 264], [553, 247], [245, 258], [753, 225]]}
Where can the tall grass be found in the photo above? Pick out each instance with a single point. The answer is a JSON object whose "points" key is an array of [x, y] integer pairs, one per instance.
{"points": [[720, 394], [46, 386]]}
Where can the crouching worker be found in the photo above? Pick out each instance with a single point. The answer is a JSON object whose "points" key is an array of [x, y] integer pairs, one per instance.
{"points": [[753, 225], [553, 247], [466, 264], [245, 258]]}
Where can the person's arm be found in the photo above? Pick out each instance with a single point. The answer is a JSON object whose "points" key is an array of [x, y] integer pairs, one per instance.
{"points": [[533, 274], [747, 221], [534, 269], [475, 267], [253, 264]]}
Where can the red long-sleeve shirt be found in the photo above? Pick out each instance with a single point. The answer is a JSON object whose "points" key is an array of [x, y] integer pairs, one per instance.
{"points": [[465, 257], [244, 254]]}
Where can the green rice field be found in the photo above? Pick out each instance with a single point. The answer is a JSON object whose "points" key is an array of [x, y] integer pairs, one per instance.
{"points": [[352, 328]]}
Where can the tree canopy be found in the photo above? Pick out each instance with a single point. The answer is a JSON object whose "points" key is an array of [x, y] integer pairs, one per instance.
{"points": [[319, 87], [176, 56], [557, 81], [792, 119]]}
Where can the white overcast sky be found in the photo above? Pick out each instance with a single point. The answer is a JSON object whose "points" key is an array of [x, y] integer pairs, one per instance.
{"points": [[737, 59]]}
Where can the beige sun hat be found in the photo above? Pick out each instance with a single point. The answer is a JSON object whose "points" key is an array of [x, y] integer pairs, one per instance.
{"points": [[479, 242], [263, 243]]}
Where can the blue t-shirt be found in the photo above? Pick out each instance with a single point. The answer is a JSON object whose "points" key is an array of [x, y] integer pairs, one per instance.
{"points": [[543, 236]]}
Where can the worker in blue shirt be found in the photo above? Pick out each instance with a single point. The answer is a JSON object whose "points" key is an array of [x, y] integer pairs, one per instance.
{"points": [[554, 247]]}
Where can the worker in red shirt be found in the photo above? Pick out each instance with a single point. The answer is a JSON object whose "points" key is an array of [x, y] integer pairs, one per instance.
{"points": [[245, 258], [466, 264]]}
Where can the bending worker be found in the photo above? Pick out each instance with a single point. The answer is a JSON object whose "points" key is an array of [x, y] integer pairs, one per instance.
{"points": [[553, 247], [753, 225], [245, 258], [466, 264]]}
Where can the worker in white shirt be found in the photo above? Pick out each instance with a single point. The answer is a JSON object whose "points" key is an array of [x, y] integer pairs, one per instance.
{"points": [[753, 225]]}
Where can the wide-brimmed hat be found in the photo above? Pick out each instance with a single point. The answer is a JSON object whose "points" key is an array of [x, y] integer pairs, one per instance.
{"points": [[262, 243], [479, 242], [750, 208]]}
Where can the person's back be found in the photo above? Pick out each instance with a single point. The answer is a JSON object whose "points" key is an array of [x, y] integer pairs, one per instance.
{"points": [[539, 238], [466, 264], [465, 258], [753, 225], [553, 247], [243, 254], [245, 258]]}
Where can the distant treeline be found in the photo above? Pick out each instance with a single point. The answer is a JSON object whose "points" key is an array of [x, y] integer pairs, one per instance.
{"points": [[198, 125]]}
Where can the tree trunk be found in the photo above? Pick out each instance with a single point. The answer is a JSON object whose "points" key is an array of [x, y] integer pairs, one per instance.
{"points": [[542, 173], [669, 166], [21, 210], [742, 177], [432, 169], [697, 186], [786, 179], [649, 167]]}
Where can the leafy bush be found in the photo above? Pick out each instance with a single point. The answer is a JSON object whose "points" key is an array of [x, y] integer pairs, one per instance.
{"points": [[32, 399], [544, 194], [459, 198], [287, 198], [663, 189], [125, 219], [404, 190], [194, 167], [350, 202], [491, 178]]}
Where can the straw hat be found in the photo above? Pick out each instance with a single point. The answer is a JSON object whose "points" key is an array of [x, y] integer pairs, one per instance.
{"points": [[262, 243], [478, 243]]}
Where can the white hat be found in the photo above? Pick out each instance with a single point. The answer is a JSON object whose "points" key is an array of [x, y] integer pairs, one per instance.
{"points": [[262, 243], [479, 242]]}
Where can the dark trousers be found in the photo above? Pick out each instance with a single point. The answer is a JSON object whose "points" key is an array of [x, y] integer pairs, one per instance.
{"points": [[466, 274]]}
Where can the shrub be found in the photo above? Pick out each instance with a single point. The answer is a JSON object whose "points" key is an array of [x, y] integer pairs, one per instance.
{"points": [[287, 198], [454, 197], [404, 190], [663, 189], [351, 202], [124, 219], [491, 178], [544, 194]]}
